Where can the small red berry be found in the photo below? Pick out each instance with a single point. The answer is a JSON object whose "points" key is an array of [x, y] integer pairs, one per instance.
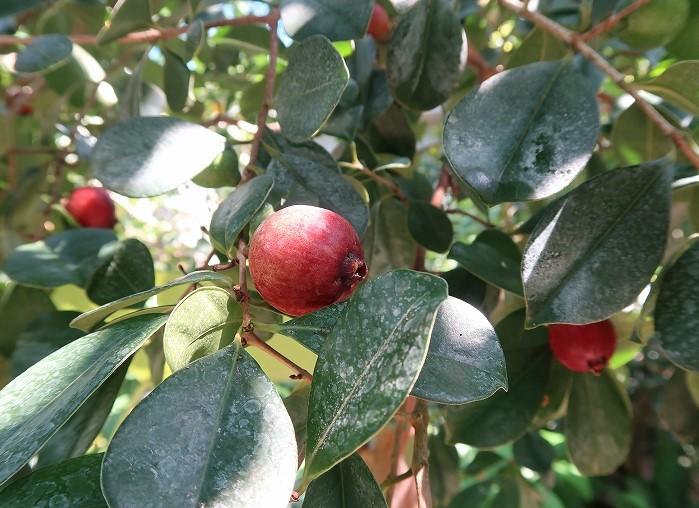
{"points": [[583, 348], [92, 207], [380, 24], [303, 258]]}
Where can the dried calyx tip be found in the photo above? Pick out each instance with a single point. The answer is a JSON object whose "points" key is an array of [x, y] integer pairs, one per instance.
{"points": [[353, 269]]}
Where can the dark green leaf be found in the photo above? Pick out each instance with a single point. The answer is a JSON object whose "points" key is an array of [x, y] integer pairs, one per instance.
{"points": [[296, 405], [466, 286], [369, 364], [537, 127], [312, 329], [203, 322], [597, 234], [676, 412], [176, 78], [311, 87], [534, 452], [74, 483], [655, 24], [10, 7], [679, 84], [223, 172], [430, 226], [445, 477], [338, 21], [598, 425], [390, 132], [349, 484], [40, 400], [426, 54], [45, 53], [19, 305], [636, 139], [147, 156], [388, 244], [475, 496], [685, 45], [464, 362], [126, 16], [538, 46], [213, 434], [196, 37]]}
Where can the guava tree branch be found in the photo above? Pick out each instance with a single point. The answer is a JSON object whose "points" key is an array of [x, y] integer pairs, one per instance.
{"points": [[575, 41], [607, 24]]}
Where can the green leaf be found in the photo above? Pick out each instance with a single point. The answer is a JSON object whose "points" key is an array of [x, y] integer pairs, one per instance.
{"points": [[576, 247], [538, 46], [338, 21], [234, 212], [69, 257], [675, 316], [537, 127], [679, 84], [598, 425], [196, 37], [476, 495], [40, 400], [369, 364], [296, 405], [445, 476], [685, 45], [464, 362], [126, 16], [534, 452], [426, 54], [45, 53], [311, 87], [430, 226], [506, 416], [10, 7], [219, 434], [203, 322], [147, 156], [19, 305], [655, 24], [636, 139], [129, 270], [74, 483], [676, 413], [89, 319], [312, 329], [388, 244], [223, 172], [494, 258], [349, 484], [176, 79]]}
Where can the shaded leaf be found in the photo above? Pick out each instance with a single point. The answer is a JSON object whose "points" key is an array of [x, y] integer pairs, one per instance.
{"points": [[430, 226], [337, 21], [679, 84], [176, 78], [636, 139], [388, 243], [534, 452], [680, 417], [296, 405], [19, 305], [10, 7], [126, 16], [45, 53], [349, 484], [445, 477], [223, 172], [312, 329], [654, 24], [538, 46]]}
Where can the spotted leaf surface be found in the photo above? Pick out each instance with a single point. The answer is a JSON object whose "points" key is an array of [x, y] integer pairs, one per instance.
{"points": [[592, 253], [213, 434], [537, 125], [349, 484], [312, 329], [37, 402], [369, 364]]}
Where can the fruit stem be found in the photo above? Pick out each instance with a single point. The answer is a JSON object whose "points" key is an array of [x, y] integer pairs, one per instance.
{"points": [[250, 338]]}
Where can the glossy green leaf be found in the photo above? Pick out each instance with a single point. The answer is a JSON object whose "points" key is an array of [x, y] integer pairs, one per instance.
{"points": [[45, 53], [147, 156], [679, 84], [129, 270], [338, 21], [213, 434], [506, 416], [388, 244], [236, 211], [493, 257], [349, 484], [430, 226], [310, 88], [73, 483], [426, 54], [126, 16], [538, 46], [654, 24], [464, 361], [596, 234], [19, 305], [312, 329], [538, 125], [369, 364], [675, 313], [69, 257], [203, 322], [598, 425], [89, 319], [636, 139], [40, 400], [176, 79], [534, 452]]}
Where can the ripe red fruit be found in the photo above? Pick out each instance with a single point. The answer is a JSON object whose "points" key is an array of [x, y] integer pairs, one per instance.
{"points": [[303, 258], [380, 24], [11, 99], [92, 207], [583, 348]]}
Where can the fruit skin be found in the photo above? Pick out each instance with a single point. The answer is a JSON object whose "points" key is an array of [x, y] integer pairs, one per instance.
{"points": [[379, 24], [12, 96], [583, 348], [92, 207], [303, 258]]}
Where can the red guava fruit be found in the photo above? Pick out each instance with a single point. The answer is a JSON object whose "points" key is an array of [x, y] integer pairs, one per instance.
{"points": [[92, 207], [583, 348], [379, 24]]}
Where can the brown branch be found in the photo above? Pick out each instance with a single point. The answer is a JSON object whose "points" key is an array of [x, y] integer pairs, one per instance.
{"points": [[251, 339], [575, 41], [391, 481], [420, 465], [476, 60], [270, 77], [382, 180], [612, 21], [475, 217]]}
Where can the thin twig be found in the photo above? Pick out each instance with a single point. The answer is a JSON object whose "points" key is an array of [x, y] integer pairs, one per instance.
{"points": [[391, 481], [613, 20], [420, 465], [475, 217], [476, 60], [251, 339], [390, 185], [576, 41]]}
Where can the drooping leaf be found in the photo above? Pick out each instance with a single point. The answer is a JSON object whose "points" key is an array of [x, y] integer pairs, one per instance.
{"points": [[349, 484], [338, 21], [45, 53], [213, 434], [19, 305], [538, 125], [176, 79], [388, 244], [40, 400], [426, 54], [312, 329], [679, 84], [369, 364], [598, 424], [126, 16], [147, 156], [464, 361], [597, 234], [89, 319], [311, 87], [69, 257], [534, 452], [430, 226], [636, 139], [203, 322], [74, 483]]}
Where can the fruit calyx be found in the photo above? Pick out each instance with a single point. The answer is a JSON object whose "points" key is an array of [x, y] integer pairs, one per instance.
{"points": [[353, 270]]}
